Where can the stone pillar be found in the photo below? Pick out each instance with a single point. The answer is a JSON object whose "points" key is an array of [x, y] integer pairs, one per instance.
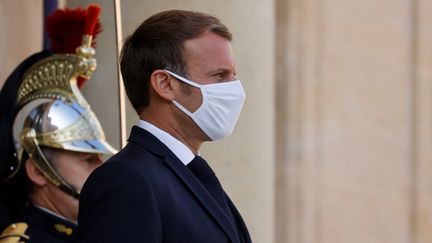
{"points": [[354, 121], [422, 122]]}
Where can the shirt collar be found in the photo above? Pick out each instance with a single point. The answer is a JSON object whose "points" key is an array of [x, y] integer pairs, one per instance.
{"points": [[55, 214], [183, 153]]}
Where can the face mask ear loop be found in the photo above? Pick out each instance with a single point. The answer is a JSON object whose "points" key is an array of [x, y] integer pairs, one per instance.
{"points": [[182, 108], [192, 116], [192, 83]]}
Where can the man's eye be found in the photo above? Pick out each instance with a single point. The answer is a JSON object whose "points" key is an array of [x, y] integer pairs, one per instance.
{"points": [[93, 160], [220, 76]]}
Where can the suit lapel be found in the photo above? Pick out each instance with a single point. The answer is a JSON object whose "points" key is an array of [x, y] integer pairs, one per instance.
{"points": [[242, 226], [146, 139]]}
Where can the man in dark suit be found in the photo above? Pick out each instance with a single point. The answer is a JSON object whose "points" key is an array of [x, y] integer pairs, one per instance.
{"points": [[179, 74]]}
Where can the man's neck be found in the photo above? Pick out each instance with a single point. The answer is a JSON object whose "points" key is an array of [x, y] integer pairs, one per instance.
{"points": [[175, 130], [53, 213], [40, 198]]}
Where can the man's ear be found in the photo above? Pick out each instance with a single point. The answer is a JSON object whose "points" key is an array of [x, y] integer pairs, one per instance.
{"points": [[161, 83], [34, 174]]}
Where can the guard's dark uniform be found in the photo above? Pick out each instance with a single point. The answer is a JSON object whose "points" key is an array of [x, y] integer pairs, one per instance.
{"points": [[38, 226], [42, 109]]}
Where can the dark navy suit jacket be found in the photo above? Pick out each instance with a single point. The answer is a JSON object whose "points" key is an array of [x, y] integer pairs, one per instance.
{"points": [[146, 194]]}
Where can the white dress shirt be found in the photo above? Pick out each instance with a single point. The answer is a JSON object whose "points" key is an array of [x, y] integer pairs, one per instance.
{"points": [[183, 153]]}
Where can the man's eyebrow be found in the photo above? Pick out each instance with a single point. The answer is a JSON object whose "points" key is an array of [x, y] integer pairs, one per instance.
{"points": [[222, 70]]}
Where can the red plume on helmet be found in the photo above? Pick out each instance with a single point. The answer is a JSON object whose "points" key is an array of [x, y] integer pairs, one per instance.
{"points": [[66, 28]]}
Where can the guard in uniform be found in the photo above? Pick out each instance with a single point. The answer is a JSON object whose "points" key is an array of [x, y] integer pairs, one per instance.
{"points": [[50, 138]]}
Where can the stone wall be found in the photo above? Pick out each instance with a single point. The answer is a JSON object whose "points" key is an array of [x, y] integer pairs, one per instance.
{"points": [[334, 143], [354, 120]]}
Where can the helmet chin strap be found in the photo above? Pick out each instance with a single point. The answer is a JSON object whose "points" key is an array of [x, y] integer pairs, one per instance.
{"points": [[70, 191], [33, 149], [58, 180]]}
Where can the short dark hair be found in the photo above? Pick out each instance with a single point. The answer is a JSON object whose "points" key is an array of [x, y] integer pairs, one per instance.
{"points": [[158, 44]]}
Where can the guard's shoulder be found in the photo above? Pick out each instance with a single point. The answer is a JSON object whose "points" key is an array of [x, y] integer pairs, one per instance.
{"points": [[15, 232]]}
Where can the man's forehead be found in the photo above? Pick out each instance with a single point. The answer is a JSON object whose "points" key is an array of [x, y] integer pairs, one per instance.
{"points": [[78, 153], [206, 43], [209, 53]]}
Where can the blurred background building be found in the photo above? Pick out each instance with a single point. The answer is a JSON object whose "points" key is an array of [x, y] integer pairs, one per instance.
{"points": [[334, 144]]}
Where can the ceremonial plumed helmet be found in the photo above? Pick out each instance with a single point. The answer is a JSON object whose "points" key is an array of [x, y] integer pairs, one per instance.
{"points": [[49, 109]]}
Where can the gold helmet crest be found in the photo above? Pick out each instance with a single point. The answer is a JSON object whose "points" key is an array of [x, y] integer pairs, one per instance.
{"points": [[52, 111]]}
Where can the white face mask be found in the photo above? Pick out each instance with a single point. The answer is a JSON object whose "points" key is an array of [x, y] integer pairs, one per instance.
{"points": [[220, 108]]}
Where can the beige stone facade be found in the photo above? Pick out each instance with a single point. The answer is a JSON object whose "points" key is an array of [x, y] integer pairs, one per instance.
{"points": [[335, 141], [354, 121], [20, 33]]}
